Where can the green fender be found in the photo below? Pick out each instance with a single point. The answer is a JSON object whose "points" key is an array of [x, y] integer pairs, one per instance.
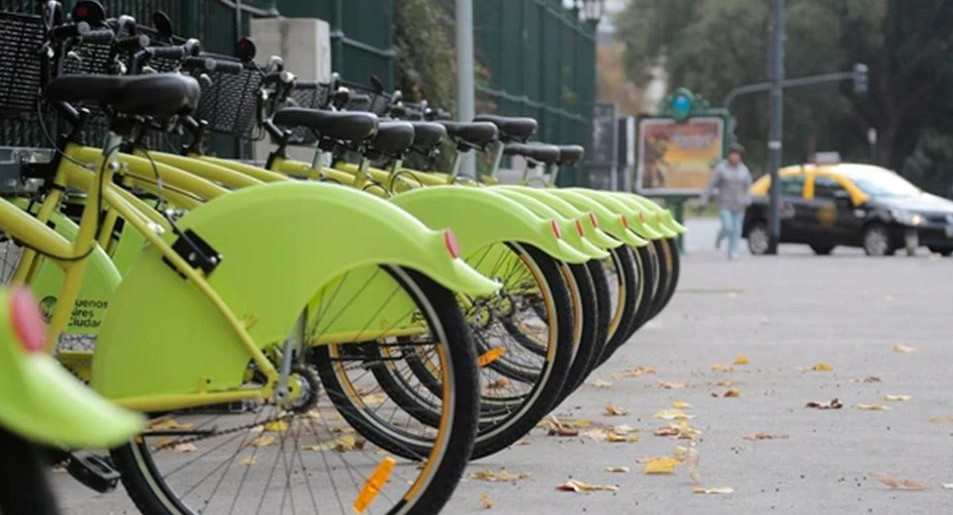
{"points": [[637, 216], [613, 222], [100, 281], [41, 401], [280, 243], [653, 214], [481, 217], [668, 220], [568, 229], [590, 227]]}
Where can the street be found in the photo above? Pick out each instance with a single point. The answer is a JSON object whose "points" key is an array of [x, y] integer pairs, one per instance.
{"points": [[786, 315]]}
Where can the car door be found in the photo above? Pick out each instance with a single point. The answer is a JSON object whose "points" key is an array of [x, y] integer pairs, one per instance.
{"points": [[792, 208], [830, 213]]}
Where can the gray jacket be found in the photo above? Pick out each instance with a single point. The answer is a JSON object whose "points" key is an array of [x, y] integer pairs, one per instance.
{"points": [[731, 185]]}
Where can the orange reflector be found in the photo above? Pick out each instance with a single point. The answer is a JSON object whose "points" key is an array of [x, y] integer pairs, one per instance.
{"points": [[490, 356], [593, 220], [373, 485], [556, 230], [579, 228], [625, 223]]}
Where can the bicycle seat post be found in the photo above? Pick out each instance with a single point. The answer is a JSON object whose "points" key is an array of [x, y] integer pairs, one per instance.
{"points": [[553, 173], [497, 158]]}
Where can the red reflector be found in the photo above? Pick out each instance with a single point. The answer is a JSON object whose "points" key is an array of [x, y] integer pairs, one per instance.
{"points": [[625, 223], [453, 246], [27, 320], [579, 228], [558, 233], [81, 12], [594, 220]]}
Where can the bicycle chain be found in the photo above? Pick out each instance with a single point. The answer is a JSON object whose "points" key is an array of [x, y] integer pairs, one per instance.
{"points": [[233, 430]]}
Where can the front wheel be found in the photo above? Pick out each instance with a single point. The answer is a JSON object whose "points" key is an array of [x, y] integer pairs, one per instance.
{"points": [[758, 238], [877, 240]]}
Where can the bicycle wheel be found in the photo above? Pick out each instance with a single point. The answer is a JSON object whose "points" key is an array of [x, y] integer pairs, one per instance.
{"points": [[523, 335], [24, 488], [626, 291], [672, 263], [308, 457], [590, 296]]}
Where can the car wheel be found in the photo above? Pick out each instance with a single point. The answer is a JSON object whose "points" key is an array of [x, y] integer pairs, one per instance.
{"points": [[877, 240], [945, 252], [758, 238], [822, 250]]}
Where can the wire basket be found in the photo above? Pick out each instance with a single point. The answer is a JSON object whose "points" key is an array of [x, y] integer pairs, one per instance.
{"points": [[230, 103], [21, 72], [366, 99]]}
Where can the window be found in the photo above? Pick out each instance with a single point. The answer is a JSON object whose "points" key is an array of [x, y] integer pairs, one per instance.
{"points": [[792, 185], [824, 187]]}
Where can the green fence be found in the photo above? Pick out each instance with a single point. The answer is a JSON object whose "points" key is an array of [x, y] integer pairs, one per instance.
{"points": [[537, 59]]}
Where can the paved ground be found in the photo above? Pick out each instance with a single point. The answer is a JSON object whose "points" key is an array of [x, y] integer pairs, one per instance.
{"points": [[785, 315]]}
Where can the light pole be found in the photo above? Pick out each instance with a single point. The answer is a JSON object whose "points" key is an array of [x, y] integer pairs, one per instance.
{"points": [[777, 119], [465, 88]]}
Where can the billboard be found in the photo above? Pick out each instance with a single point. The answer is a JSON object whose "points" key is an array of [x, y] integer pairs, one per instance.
{"points": [[677, 155]]}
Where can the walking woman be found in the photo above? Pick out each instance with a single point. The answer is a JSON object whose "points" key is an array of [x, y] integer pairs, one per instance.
{"points": [[730, 183]]}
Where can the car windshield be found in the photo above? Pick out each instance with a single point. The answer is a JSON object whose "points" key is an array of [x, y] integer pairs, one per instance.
{"points": [[885, 184]]}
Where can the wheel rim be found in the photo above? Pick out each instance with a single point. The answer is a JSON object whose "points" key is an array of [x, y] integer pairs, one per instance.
{"points": [[876, 242], [758, 240]]}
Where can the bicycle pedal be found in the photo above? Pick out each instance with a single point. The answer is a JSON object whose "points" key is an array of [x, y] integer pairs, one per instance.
{"points": [[94, 471]]}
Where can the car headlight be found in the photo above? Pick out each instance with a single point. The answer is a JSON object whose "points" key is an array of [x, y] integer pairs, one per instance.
{"points": [[904, 217]]}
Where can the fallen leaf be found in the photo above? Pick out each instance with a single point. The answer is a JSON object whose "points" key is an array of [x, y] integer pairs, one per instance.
{"points": [[624, 429], [682, 405], [184, 447], [498, 384], [722, 367], [715, 490], [634, 372], [680, 430], [486, 502], [670, 430], [611, 410], [734, 392], [496, 476], [872, 407], [822, 367], [724, 383], [897, 398], [247, 461], [741, 359], [766, 436], [564, 431], [581, 423], [896, 484], [261, 441], [278, 426], [868, 379], [832, 404], [646, 459], [619, 470], [943, 419], [664, 465], [343, 443], [673, 414], [613, 437], [599, 383], [667, 385], [574, 485], [904, 349], [948, 486], [375, 399], [168, 424], [692, 462]]}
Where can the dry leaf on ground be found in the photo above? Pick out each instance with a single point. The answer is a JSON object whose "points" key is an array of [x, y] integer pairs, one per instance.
{"points": [[715, 490], [897, 398], [664, 465], [692, 462], [574, 485], [247, 461], [624, 429], [261, 441], [168, 424], [734, 392], [613, 437], [184, 447], [673, 414], [722, 367], [277, 426], [896, 484], [634, 372], [611, 410], [599, 383], [619, 470], [343, 443], [374, 399], [822, 367], [948, 486], [766, 436], [904, 349], [486, 502], [942, 419], [646, 459], [498, 384], [682, 405], [681, 430], [868, 379], [872, 407], [831, 404], [496, 476], [741, 359], [669, 385]]}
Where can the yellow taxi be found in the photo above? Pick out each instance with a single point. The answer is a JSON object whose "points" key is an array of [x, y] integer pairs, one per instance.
{"points": [[848, 204]]}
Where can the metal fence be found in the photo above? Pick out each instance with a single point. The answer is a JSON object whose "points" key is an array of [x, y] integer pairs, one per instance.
{"points": [[537, 59]]}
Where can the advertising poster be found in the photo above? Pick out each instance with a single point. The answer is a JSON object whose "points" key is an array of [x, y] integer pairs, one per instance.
{"points": [[677, 155]]}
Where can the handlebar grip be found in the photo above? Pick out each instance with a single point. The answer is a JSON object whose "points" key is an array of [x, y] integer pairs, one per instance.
{"points": [[231, 67], [167, 52], [69, 30], [98, 36], [198, 63], [132, 43]]}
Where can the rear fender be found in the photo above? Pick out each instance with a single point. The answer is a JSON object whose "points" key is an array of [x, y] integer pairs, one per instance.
{"points": [[668, 221], [567, 226], [481, 217], [280, 243], [611, 221], [586, 224], [640, 220], [656, 216]]}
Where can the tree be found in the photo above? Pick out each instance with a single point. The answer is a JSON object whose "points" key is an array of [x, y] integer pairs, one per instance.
{"points": [[714, 45], [425, 54]]}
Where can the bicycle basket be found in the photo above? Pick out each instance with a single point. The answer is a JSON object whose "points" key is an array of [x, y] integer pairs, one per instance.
{"points": [[21, 39], [365, 99], [230, 103]]}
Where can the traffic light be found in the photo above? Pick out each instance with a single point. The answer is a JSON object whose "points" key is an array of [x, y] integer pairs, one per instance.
{"points": [[860, 78]]}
